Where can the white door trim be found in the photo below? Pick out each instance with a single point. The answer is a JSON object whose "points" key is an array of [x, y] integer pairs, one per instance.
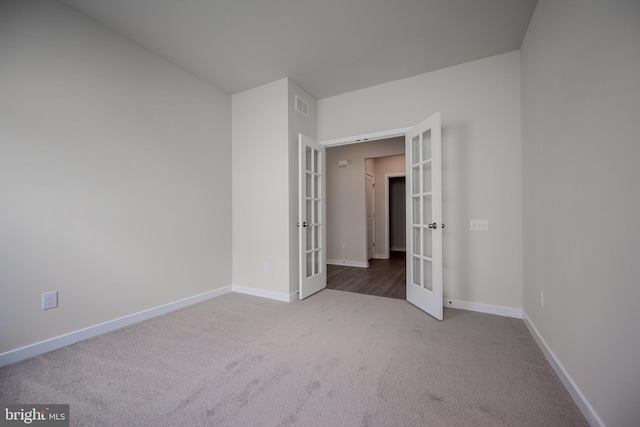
{"points": [[373, 136]]}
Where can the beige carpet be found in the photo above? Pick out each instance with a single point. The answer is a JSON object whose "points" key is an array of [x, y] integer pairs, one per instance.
{"points": [[335, 359]]}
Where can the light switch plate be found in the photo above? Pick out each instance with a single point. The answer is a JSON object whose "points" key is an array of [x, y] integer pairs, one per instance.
{"points": [[479, 225]]}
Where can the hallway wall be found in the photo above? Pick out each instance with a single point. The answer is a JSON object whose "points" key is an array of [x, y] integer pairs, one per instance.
{"points": [[346, 215]]}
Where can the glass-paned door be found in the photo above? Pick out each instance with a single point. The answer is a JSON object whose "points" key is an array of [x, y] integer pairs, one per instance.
{"points": [[311, 224], [424, 216]]}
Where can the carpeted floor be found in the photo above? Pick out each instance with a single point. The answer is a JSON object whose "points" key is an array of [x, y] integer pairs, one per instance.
{"points": [[335, 359]]}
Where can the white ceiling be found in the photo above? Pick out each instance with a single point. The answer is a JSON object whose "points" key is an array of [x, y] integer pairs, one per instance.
{"points": [[326, 46]]}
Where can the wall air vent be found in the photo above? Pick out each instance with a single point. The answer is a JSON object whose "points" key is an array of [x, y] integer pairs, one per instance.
{"points": [[302, 106]]}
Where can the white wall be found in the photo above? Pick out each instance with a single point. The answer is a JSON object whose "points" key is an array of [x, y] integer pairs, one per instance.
{"points": [[346, 213], [261, 188], [298, 124], [581, 147], [480, 105], [114, 176], [265, 186]]}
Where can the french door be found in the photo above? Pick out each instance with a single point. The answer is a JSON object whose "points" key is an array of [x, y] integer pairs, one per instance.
{"points": [[311, 217], [424, 216]]}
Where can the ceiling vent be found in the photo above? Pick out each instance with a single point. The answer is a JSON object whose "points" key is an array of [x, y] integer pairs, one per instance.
{"points": [[302, 106]]}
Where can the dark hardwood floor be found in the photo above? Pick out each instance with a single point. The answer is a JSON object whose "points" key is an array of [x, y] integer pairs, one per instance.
{"points": [[383, 278]]}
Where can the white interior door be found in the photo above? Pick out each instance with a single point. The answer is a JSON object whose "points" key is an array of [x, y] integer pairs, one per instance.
{"points": [[424, 216], [311, 218], [370, 201]]}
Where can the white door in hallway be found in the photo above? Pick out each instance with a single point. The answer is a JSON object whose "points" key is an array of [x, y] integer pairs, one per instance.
{"points": [[311, 217], [424, 216], [371, 222]]}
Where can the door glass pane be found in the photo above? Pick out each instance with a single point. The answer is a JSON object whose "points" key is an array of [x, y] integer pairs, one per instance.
{"points": [[426, 209], [415, 149], [426, 177], [415, 208], [308, 214], [309, 234], [309, 264], [308, 184], [427, 250], [426, 145], [316, 212], [316, 237], [316, 186], [415, 179], [316, 262], [417, 240], [417, 267], [308, 155], [428, 269], [316, 161]]}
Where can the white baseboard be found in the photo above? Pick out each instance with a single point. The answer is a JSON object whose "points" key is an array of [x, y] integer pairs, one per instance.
{"points": [[278, 296], [381, 256], [45, 346], [398, 249], [483, 308], [579, 398], [347, 263]]}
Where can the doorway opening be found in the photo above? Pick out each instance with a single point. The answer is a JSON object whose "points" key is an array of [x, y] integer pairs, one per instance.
{"points": [[397, 216], [366, 205], [424, 284]]}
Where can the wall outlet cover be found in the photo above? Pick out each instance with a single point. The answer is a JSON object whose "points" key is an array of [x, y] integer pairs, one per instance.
{"points": [[49, 300]]}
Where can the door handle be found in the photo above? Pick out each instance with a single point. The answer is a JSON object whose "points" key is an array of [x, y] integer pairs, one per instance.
{"points": [[434, 225], [304, 224]]}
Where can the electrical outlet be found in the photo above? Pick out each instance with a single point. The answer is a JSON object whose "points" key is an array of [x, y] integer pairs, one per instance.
{"points": [[479, 225], [541, 298], [266, 267], [49, 300]]}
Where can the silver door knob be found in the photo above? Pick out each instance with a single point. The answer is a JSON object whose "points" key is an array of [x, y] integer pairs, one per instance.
{"points": [[433, 226], [304, 224]]}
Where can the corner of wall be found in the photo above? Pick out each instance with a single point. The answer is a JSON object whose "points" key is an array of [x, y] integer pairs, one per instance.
{"points": [[297, 123]]}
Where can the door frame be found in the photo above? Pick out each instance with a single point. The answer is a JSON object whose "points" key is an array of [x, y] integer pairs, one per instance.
{"points": [[367, 137], [373, 136]]}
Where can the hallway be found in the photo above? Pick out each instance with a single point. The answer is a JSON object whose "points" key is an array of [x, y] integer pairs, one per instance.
{"points": [[384, 277]]}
